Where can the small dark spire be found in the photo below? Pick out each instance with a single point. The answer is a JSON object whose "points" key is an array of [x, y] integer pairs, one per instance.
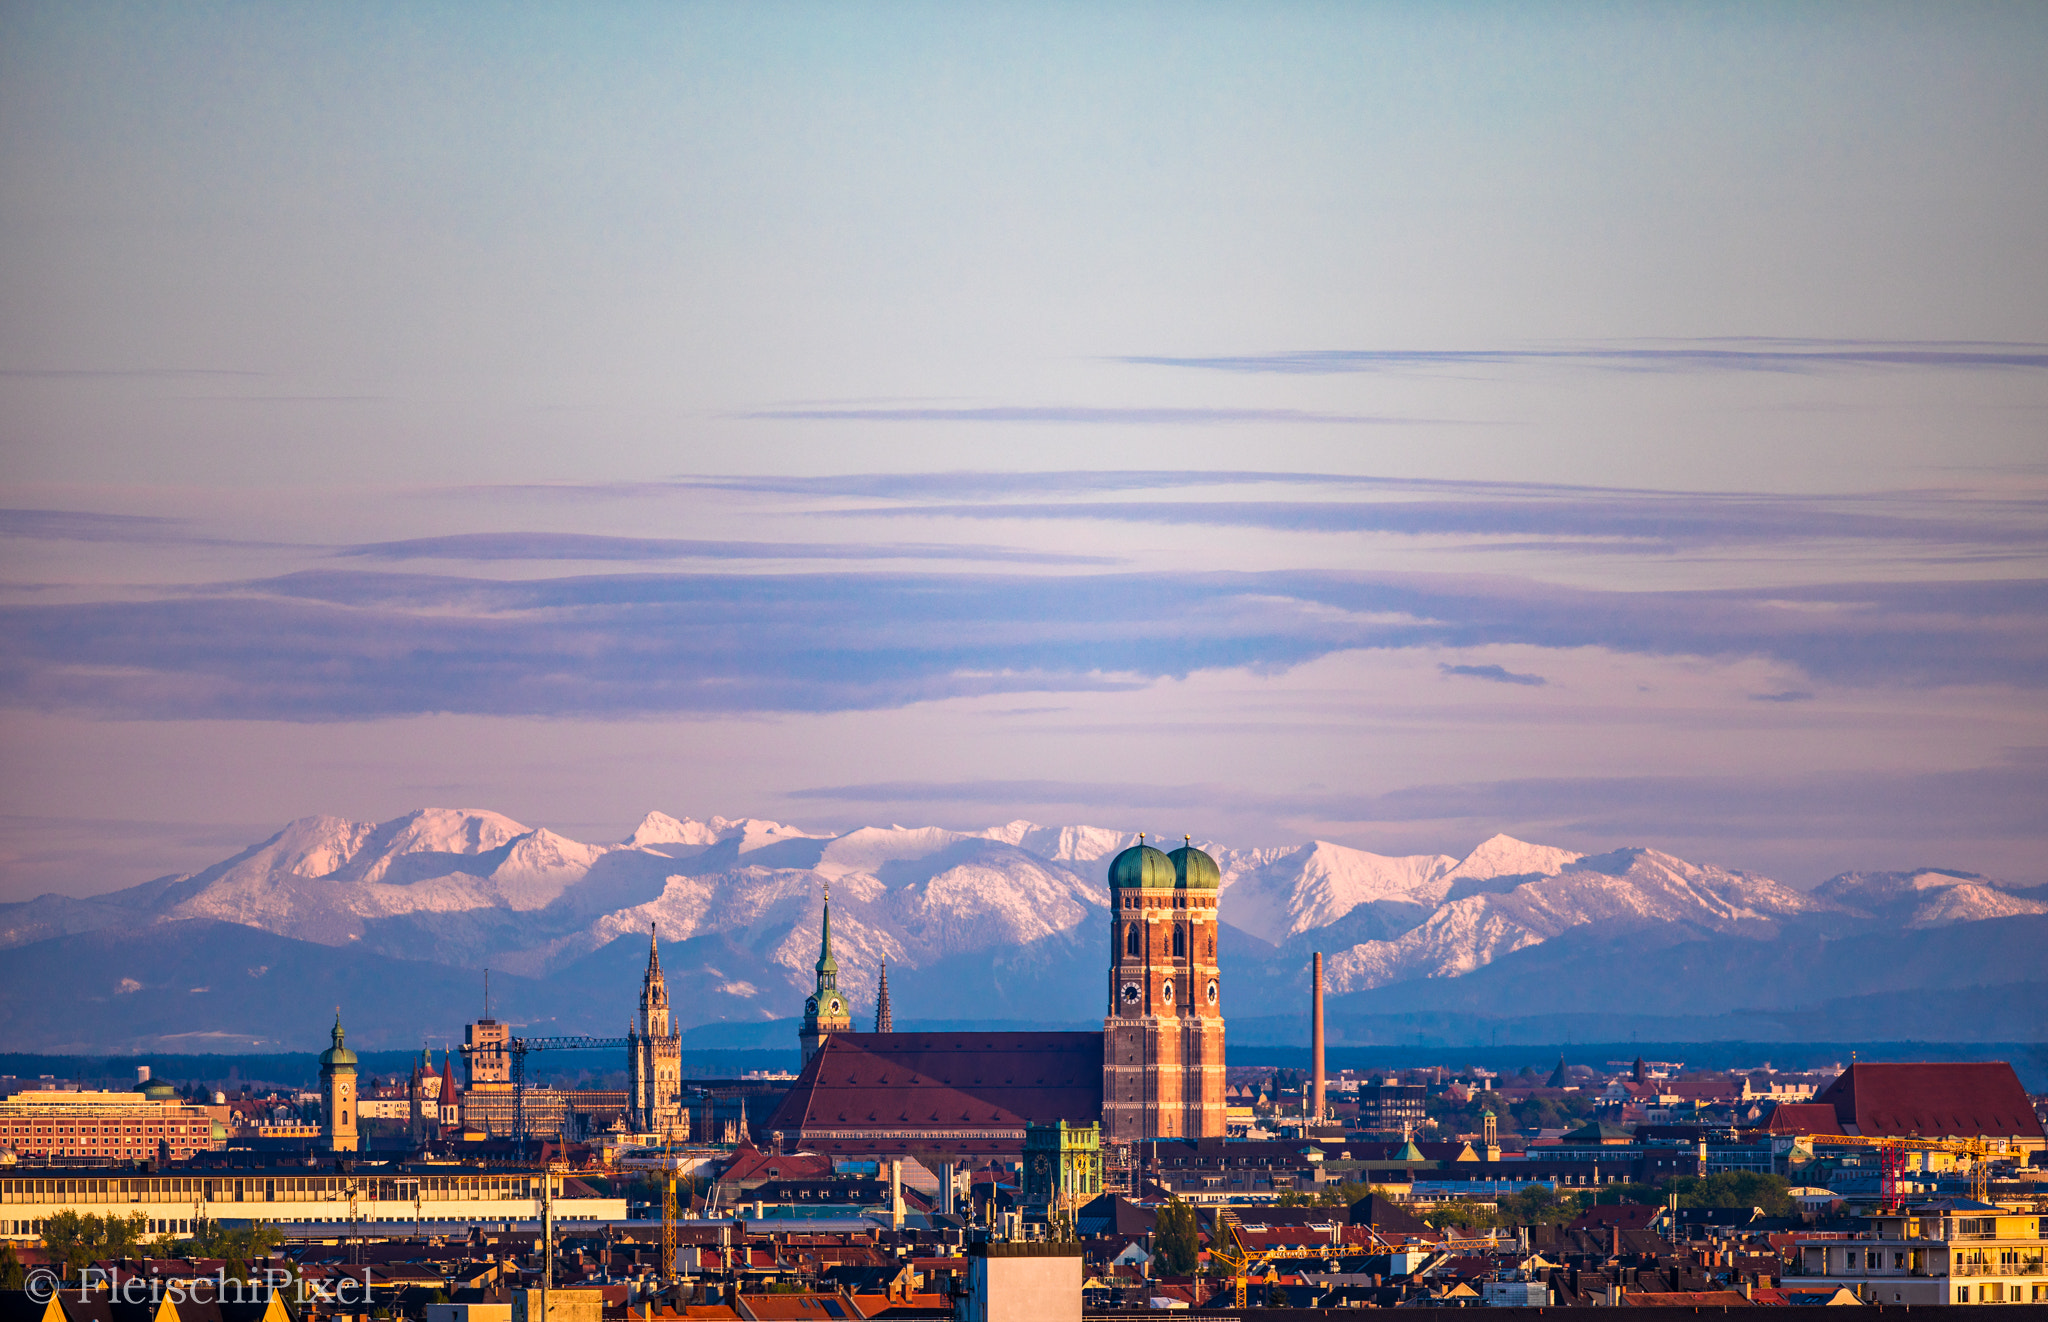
{"points": [[883, 1023]]}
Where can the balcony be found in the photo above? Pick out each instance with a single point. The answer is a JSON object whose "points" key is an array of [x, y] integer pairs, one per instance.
{"points": [[2032, 1267]]}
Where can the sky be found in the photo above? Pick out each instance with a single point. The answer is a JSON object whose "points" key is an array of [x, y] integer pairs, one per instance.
{"points": [[1390, 424]]}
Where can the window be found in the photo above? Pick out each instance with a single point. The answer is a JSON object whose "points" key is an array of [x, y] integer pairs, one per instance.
{"points": [[1180, 945], [1131, 940]]}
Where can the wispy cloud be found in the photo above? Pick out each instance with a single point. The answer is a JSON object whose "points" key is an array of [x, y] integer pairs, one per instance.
{"points": [[493, 546], [1788, 695], [85, 526], [1676, 520], [1760, 354], [333, 645], [1497, 674], [1994, 801], [1082, 415]]}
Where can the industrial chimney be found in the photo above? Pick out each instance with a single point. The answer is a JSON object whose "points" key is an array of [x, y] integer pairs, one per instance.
{"points": [[1316, 1044]]}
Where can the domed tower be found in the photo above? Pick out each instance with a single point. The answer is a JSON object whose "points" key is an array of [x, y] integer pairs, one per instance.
{"points": [[1198, 882], [1162, 1068], [338, 1090]]}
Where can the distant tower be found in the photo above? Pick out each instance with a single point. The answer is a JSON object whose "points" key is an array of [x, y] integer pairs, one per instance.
{"points": [[883, 1022], [825, 1012], [450, 1100], [338, 1089], [418, 1092], [654, 1053], [1560, 1076], [1316, 1107], [1639, 1072], [1162, 1042], [1491, 1138]]}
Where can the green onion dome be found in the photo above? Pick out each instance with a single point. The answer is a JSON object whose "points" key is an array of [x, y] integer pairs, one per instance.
{"points": [[1194, 870], [1141, 866], [338, 1054]]}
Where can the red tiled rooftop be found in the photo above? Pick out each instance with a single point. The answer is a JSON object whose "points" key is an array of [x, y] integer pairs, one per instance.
{"points": [[1933, 1098]]}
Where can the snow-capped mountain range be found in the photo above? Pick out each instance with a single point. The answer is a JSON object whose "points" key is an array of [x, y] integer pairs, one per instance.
{"points": [[1001, 923]]}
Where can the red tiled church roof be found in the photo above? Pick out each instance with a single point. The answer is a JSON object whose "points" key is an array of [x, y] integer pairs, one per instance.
{"points": [[920, 1084], [1803, 1118], [1933, 1099]]}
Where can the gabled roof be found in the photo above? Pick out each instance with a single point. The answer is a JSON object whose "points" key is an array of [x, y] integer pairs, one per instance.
{"points": [[1803, 1118], [1386, 1217], [1627, 1216], [926, 1083], [1112, 1215], [1933, 1099]]}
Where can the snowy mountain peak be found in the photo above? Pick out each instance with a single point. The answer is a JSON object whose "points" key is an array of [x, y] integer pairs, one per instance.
{"points": [[1879, 889], [1969, 902], [870, 848], [1276, 893], [658, 828], [429, 831], [315, 846], [755, 833], [1065, 844], [1505, 856]]}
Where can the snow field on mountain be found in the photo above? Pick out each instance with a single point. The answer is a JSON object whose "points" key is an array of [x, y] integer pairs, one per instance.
{"points": [[474, 888]]}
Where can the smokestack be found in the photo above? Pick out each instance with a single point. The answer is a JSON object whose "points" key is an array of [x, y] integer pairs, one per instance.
{"points": [[1316, 1043]]}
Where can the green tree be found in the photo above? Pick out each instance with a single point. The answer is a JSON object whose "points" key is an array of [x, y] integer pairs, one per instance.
{"points": [[1539, 1204], [1462, 1216], [1735, 1189], [12, 1276], [1177, 1239], [78, 1240]]}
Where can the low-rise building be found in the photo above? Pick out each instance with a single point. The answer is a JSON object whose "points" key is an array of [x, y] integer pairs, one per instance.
{"points": [[107, 1127], [173, 1201], [1952, 1252]]}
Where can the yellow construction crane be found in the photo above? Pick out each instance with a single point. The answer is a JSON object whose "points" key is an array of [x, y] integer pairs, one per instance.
{"points": [[668, 1222], [1891, 1157]]}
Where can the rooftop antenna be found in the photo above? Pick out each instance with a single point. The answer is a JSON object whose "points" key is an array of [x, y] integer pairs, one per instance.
{"points": [[487, 993]]}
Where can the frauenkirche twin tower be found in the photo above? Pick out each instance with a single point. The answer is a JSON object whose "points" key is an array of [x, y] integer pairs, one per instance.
{"points": [[1162, 1042]]}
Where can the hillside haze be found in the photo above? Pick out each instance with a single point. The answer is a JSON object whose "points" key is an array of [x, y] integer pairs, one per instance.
{"points": [[397, 920]]}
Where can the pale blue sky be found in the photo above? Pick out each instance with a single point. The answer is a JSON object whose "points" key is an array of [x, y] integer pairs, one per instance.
{"points": [[285, 284]]}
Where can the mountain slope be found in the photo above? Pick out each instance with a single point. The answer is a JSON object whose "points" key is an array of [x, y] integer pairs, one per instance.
{"points": [[999, 923]]}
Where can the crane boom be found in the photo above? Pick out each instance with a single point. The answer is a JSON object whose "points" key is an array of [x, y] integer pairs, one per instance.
{"points": [[519, 1046]]}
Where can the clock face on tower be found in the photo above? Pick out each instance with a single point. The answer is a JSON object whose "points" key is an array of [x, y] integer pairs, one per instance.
{"points": [[1212, 991], [1166, 991], [1131, 993]]}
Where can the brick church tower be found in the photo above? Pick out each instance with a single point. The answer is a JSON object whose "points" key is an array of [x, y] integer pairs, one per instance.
{"points": [[1162, 1042]]}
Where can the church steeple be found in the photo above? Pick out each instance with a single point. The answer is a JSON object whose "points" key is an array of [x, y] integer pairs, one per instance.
{"points": [[828, 967], [826, 1011], [654, 1020], [883, 1023]]}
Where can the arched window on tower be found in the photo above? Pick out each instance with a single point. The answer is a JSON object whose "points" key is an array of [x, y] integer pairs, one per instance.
{"points": [[1131, 940], [1180, 943]]}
